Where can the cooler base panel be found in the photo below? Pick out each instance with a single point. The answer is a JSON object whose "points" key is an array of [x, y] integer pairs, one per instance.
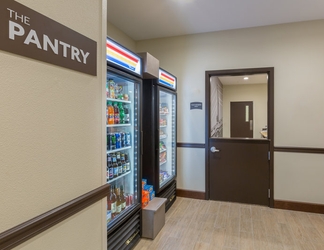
{"points": [[126, 235], [170, 194]]}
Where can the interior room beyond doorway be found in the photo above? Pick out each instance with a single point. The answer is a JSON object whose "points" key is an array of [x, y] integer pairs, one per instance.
{"points": [[227, 90]]}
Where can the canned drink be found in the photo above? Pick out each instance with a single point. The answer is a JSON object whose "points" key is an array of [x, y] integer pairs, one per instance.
{"points": [[129, 199], [122, 139], [112, 141], [127, 139], [118, 140]]}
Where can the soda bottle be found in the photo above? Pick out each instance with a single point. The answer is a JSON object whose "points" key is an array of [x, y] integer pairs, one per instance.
{"points": [[112, 88], [112, 202], [116, 114], [124, 166], [118, 140], [110, 168], [112, 141], [121, 113], [110, 114], [127, 163], [108, 141], [127, 139], [126, 113], [115, 166], [119, 164], [107, 89], [123, 197], [118, 201], [119, 92], [122, 138]]}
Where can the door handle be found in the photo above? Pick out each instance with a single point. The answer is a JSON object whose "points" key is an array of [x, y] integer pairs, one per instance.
{"points": [[213, 150]]}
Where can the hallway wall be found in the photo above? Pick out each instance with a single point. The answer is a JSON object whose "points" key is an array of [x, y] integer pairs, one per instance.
{"points": [[297, 54], [52, 134], [120, 37]]}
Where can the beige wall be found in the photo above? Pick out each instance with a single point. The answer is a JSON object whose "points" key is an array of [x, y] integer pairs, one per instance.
{"points": [[299, 177], [296, 53], [52, 134], [120, 37], [257, 93]]}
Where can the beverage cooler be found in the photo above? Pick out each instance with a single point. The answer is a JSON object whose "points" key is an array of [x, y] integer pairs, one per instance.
{"points": [[160, 137], [123, 121]]}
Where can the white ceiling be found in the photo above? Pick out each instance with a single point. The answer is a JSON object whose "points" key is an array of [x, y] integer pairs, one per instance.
{"points": [[146, 19], [252, 79]]}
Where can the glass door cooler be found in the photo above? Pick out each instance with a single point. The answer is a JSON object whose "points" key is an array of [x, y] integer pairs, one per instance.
{"points": [[167, 136], [123, 121], [159, 132]]}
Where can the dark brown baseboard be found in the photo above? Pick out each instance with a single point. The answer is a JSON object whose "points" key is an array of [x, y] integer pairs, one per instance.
{"points": [[191, 194], [299, 206]]}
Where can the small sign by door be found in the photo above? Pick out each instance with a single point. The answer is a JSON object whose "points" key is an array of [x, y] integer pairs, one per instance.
{"points": [[195, 105]]}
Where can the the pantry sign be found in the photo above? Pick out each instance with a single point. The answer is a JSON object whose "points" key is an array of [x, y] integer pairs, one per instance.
{"points": [[30, 34]]}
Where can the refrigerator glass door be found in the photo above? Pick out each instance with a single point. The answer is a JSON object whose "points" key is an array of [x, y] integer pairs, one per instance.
{"points": [[122, 114], [167, 142]]}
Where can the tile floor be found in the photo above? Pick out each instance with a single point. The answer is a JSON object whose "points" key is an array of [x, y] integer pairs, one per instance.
{"points": [[198, 224]]}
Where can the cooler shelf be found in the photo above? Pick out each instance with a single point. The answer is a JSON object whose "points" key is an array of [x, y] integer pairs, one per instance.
{"points": [[118, 149], [118, 100], [118, 125], [119, 176]]}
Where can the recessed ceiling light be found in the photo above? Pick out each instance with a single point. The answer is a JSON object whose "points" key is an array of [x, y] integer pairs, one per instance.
{"points": [[246, 78]]}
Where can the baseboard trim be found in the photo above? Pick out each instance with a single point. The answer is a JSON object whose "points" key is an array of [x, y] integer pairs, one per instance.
{"points": [[299, 206], [191, 194]]}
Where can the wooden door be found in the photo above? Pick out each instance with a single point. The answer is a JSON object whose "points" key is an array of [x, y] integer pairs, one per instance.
{"points": [[239, 170], [241, 114]]}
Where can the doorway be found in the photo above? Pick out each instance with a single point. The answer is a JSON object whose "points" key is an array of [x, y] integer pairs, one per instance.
{"points": [[239, 168]]}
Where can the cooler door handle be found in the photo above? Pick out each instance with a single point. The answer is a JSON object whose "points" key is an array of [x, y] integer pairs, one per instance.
{"points": [[141, 142]]}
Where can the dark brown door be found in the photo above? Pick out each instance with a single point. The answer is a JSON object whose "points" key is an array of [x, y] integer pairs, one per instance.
{"points": [[239, 170], [241, 119]]}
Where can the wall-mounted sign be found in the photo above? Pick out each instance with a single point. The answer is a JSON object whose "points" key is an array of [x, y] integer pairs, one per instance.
{"points": [[122, 57], [196, 105], [28, 33]]}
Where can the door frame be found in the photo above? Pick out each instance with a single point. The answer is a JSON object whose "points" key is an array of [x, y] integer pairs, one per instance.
{"points": [[270, 118]]}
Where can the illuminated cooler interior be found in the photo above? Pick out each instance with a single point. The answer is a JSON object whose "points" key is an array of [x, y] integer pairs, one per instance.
{"points": [[129, 179], [167, 136]]}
